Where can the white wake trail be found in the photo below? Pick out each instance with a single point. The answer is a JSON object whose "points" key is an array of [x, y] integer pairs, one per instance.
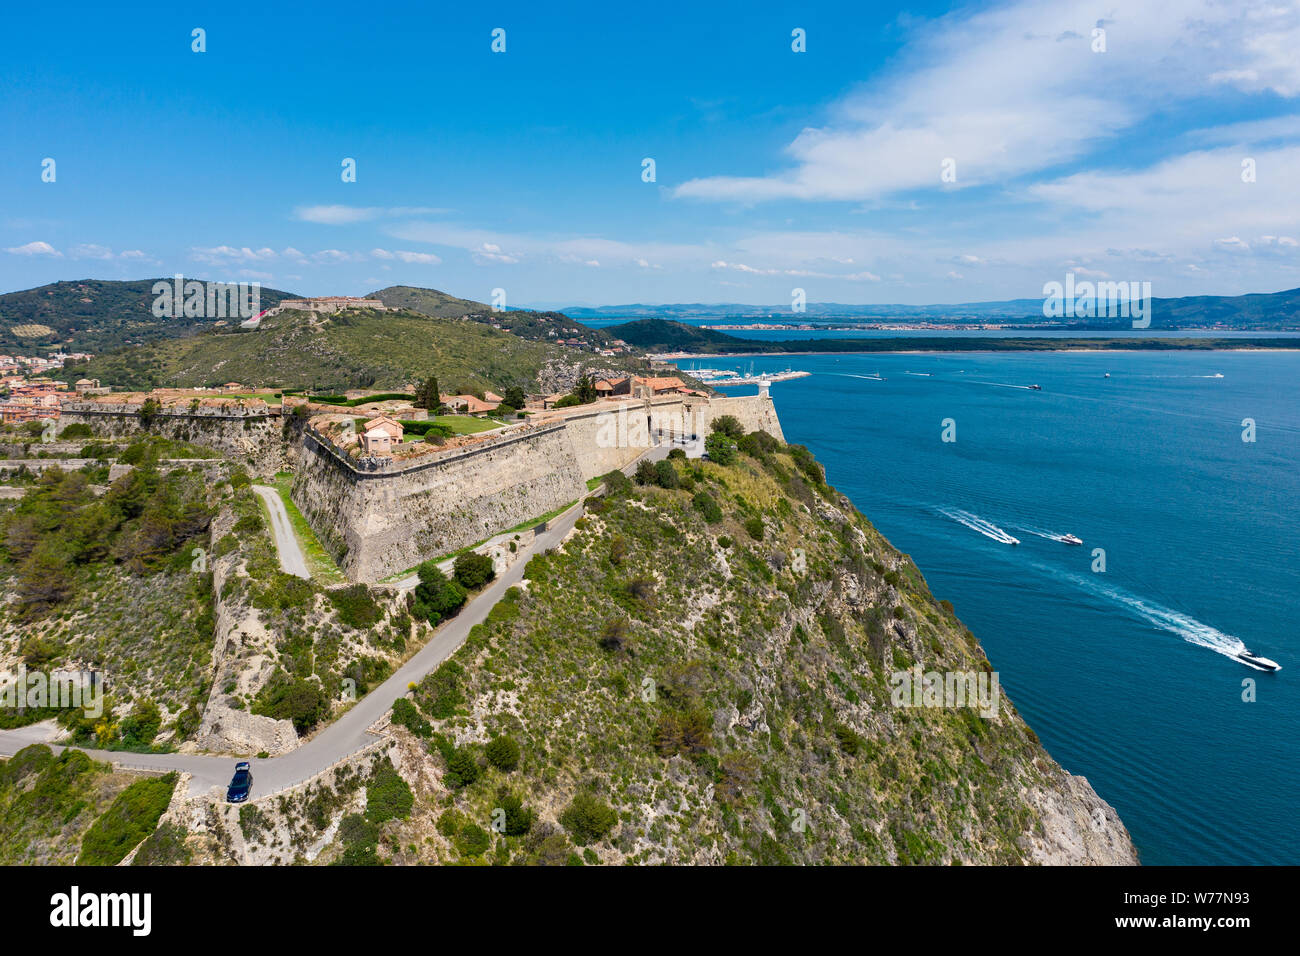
{"points": [[976, 523]]}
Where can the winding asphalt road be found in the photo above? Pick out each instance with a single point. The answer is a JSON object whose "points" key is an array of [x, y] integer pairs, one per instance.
{"points": [[351, 732]]}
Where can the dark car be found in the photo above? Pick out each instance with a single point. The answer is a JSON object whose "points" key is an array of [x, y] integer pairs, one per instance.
{"points": [[240, 784]]}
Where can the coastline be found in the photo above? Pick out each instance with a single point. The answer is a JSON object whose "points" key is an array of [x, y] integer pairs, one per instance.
{"points": [[678, 356]]}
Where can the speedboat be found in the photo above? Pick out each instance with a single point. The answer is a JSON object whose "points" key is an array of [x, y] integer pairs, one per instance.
{"points": [[1257, 662], [1011, 540], [1071, 539], [1107, 375], [1036, 388]]}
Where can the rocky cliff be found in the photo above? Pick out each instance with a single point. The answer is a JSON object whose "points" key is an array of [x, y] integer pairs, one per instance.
{"points": [[710, 670]]}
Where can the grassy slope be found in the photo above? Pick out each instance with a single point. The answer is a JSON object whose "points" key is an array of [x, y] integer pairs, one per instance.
{"points": [[355, 349], [49, 804], [427, 301]]}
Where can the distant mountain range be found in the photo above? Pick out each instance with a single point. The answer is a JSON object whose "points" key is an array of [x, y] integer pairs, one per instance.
{"points": [[666, 336], [102, 316], [1263, 311]]}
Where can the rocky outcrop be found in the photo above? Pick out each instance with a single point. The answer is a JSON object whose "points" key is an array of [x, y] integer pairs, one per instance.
{"points": [[1077, 827], [242, 659]]}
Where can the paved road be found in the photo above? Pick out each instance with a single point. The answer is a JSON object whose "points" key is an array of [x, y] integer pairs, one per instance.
{"points": [[350, 732], [292, 560]]}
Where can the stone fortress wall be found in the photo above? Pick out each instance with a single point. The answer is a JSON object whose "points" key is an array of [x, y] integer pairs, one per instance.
{"points": [[379, 523]]}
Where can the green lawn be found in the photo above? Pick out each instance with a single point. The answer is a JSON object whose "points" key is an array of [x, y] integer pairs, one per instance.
{"points": [[269, 399], [319, 562], [466, 424]]}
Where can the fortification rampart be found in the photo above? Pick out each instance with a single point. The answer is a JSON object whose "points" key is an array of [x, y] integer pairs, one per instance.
{"points": [[250, 435], [379, 517]]}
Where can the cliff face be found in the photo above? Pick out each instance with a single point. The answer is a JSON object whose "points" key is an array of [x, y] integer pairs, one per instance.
{"points": [[720, 666]]}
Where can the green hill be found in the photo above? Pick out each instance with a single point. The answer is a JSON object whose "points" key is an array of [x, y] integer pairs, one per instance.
{"points": [[525, 323], [428, 301], [360, 348], [94, 315]]}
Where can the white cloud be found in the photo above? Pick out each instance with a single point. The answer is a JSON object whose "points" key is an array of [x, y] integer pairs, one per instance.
{"points": [[346, 215], [1016, 89], [35, 249]]}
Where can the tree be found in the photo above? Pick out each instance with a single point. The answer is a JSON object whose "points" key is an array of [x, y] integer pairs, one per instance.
{"points": [[728, 425], [503, 753], [514, 397], [436, 597], [462, 769], [426, 394], [666, 475], [720, 448], [473, 570], [585, 389], [588, 819]]}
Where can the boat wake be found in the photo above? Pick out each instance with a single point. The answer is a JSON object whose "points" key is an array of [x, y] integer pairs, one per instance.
{"points": [[976, 523], [1167, 619], [1027, 388]]}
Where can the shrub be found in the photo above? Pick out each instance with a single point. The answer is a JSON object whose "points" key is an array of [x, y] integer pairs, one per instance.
{"points": [[439, 694], [646, 473], [707, 506], [360, 840], [677, 454], [613, 636], [519, 819], [616, 483], [755, 527], [387, 796], [666, 475], [720, 448], [728, 425], [406, 715], [503, 753], [473, 570], [807, 463], [128, 820], [436, 596], [588, 818], [76, 430], [642, 589], [462, 769], [473, 840], [355, 606], [568, 401], [299, 700], [164, 847]]}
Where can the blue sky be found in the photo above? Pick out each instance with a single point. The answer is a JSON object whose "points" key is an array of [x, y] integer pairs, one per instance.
{"points": [[522, 170]]}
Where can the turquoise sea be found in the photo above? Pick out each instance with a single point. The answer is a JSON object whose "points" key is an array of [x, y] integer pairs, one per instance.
{"points": [[1126, 674]]}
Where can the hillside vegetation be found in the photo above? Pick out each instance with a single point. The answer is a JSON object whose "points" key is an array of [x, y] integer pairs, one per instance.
{"points": [[355, 349], [94, 315], [69, 808], [525, 323], [701, 674]]}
